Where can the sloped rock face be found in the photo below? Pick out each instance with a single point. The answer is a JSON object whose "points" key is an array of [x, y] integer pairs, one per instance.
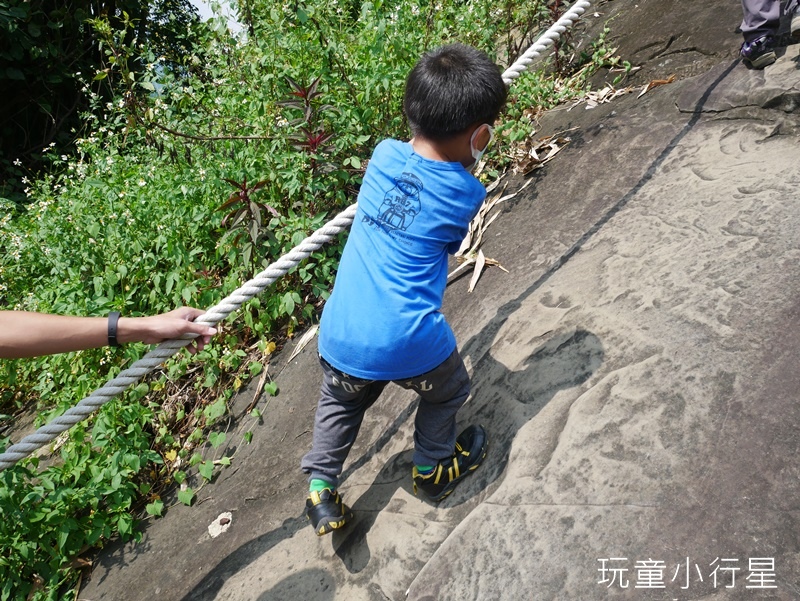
{"points": [[636, 371], [679, 449]]}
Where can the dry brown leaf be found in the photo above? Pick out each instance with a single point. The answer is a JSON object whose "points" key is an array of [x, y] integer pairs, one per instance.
{"points": [[480, 263], [465, 243], [597, 97], [548, 147], [463, 264], [259, 388], [80, 563], [304, 340], [655, 83]]}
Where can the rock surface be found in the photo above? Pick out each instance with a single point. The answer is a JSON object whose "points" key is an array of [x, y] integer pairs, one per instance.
{"points": [[637, 372]]}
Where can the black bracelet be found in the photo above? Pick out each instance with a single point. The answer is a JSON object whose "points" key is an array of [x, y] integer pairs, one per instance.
{"points": [[113, 318]]}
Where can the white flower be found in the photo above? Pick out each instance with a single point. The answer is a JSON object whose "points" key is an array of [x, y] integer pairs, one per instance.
{"points": [[142, 182], [17, 162]]}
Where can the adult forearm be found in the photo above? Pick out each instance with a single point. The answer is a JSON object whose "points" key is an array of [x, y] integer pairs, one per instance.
{"points": [[26, 334]]}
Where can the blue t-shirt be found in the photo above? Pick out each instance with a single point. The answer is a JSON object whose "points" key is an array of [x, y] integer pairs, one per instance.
{"points": [[382, 321]]}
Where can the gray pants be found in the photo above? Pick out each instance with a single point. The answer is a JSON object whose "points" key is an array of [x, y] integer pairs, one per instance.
{"points": [[344, 399], [760, 17]]}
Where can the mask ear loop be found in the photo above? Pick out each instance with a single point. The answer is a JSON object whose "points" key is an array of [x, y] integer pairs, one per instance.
{"points": [[478, 154]]}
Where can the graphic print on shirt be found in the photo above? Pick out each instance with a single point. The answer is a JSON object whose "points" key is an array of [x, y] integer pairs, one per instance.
{"points": [[401, 204]]}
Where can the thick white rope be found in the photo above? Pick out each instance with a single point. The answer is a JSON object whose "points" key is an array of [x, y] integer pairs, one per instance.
{"points": [[546, 40], [166, 349], [246, 292]]}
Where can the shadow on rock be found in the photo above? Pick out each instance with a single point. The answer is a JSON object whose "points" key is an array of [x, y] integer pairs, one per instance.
{"points": [[214, 580], [506, 400], [350, 544], [314, 584], [503, 402]]}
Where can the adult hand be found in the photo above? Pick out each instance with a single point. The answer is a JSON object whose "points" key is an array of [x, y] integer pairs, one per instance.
{"points": [[157, 328]]}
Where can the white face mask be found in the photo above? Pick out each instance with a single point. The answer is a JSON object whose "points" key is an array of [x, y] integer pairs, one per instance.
{"points": [[478, 154]]}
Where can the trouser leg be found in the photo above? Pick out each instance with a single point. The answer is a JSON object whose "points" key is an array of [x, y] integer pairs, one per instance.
{"points": [[760, 17], [340, 411], [442, 392]]}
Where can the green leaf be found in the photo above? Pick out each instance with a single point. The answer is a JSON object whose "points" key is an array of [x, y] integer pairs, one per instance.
{"points": [[186, 496], [62, 538], [125, 524], [255, 368], [216, 409], [248, 437], [217, 439], [206, 469], [271, 388], [155, 508], [288, 303]]}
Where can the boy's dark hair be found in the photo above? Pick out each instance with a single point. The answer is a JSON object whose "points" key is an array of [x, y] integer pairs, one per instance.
{"points": [[451, 88]]}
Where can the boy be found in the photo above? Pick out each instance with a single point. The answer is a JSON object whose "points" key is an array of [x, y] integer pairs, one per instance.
{"points": [[760, 30], [382, 322]]}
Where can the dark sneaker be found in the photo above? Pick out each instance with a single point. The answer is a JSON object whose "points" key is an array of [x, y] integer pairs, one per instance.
{"points": [[326, 511], [760, 52], [470, 451]]}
